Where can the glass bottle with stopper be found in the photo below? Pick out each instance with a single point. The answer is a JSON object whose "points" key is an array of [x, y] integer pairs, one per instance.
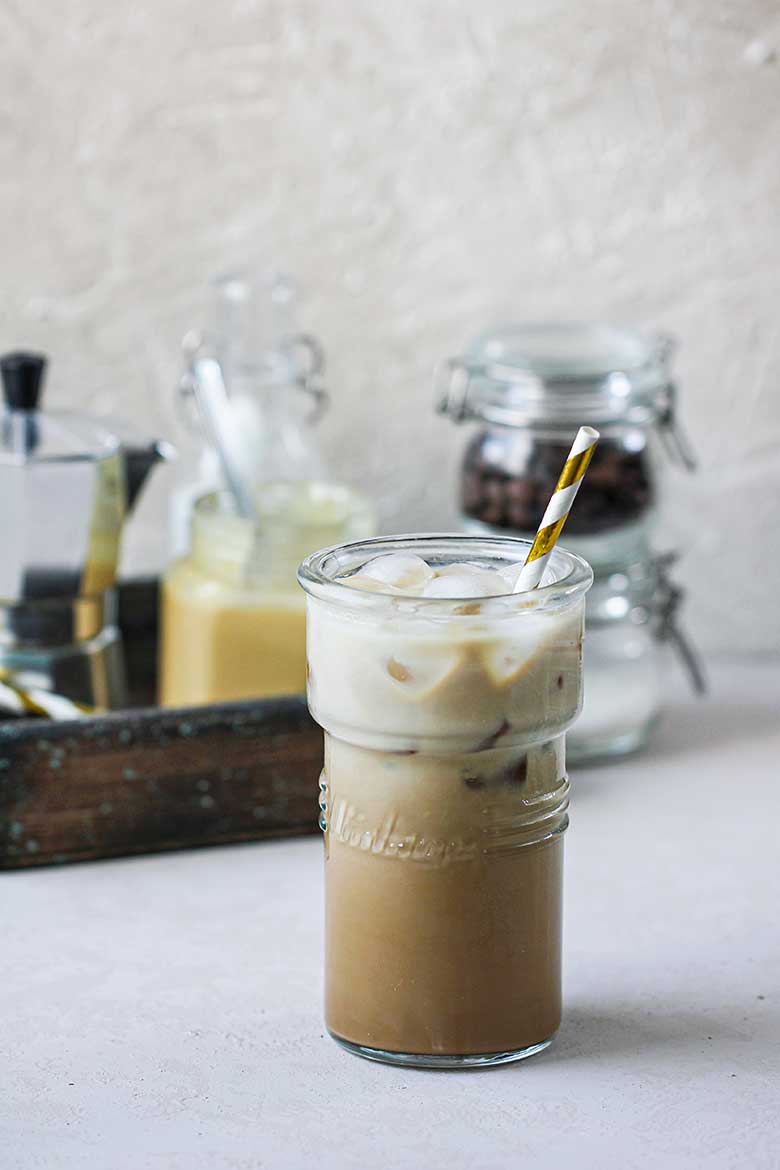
{"points": [[273, 378], [260, 499]]}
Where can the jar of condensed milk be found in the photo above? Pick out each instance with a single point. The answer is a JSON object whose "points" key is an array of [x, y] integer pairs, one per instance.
{"points": [[233, 616]]}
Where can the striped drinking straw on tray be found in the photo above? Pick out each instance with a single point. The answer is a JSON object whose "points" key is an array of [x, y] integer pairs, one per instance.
{"points": [[558, 509], [20, 699]]}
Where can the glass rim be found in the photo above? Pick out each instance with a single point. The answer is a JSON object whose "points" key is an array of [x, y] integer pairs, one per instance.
{"points": [[574, 579]]}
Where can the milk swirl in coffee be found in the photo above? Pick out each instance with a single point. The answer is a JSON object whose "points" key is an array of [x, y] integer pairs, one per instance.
{"points": [[444, 698]]}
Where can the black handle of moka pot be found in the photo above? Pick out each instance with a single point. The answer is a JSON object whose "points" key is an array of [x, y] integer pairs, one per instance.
{"points": [[22, 375]]}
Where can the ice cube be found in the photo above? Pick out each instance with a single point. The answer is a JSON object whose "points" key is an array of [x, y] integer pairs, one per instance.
{"points": [[416, 673], [510, 573], [480, 583], [460, 567], [506, 659], [405, 571], [367, 584]]}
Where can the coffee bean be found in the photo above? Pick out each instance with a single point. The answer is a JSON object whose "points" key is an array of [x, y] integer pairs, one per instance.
{"points": [[617, 489]]}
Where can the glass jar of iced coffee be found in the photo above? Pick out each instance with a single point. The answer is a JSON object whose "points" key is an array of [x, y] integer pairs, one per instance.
{"points": [[444, 698], [232, 616], [527, 388]]}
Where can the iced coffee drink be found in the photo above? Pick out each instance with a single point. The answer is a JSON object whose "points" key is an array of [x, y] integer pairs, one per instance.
{"points": [[444, 698]]}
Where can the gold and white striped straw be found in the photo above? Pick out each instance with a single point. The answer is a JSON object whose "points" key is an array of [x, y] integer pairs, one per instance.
{"points": [[26, 700], [558, 509]]}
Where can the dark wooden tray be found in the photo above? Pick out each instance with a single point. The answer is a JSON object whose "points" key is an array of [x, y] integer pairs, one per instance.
{"points": [[144, 780], [138, 782]]}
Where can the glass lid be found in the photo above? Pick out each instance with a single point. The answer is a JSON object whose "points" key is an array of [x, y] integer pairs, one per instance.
{"points": [[581, 372]]}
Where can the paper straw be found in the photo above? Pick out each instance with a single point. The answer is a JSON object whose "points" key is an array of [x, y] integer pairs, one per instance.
{"points": [[558, 509], [26, 700]]}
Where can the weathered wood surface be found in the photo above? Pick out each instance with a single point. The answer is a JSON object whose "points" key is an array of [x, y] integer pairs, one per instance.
{"points": [[149, 780]]}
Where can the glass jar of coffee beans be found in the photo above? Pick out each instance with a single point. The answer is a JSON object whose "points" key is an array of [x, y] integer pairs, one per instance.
{"points": [[527, 388]]}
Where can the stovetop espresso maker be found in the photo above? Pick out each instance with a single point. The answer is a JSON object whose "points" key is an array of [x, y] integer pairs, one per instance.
{"points": [[67, 485]]}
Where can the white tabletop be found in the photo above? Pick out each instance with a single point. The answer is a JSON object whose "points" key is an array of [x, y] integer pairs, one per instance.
{"points": [[164, 1012]]}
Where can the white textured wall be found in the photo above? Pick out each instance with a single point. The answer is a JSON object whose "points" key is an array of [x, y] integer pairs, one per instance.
{"points": [[425, 169]]}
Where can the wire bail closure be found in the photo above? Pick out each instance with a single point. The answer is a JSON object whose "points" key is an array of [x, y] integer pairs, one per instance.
{"points": [[452, 382], [666, 608]]}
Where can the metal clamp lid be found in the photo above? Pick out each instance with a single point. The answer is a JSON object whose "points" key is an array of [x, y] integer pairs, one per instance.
{"points": [[674, 437], [558, 375], [311, 369], [667, 601], [451, 383]]}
